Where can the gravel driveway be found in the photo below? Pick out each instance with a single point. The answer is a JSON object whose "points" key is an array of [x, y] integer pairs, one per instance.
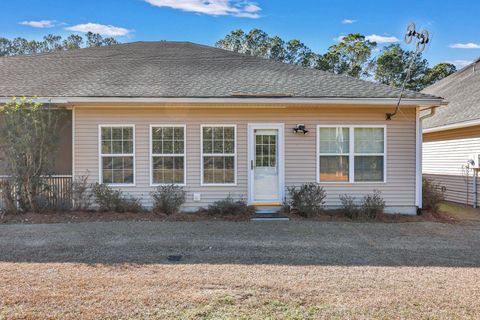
{"points": [[286, 243]]}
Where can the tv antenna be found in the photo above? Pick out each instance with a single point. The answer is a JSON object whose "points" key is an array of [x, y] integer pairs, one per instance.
{"points": [[421, 39]]}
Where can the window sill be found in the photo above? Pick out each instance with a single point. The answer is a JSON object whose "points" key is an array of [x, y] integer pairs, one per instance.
{"points": [[218, 184], [168, 184], [117, 185]]}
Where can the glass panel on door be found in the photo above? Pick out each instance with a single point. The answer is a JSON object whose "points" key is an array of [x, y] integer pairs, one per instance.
{"points": [[266, 171]]}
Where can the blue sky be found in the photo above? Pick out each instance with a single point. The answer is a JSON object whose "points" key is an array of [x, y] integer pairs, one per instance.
{"points": [[454, 25]]}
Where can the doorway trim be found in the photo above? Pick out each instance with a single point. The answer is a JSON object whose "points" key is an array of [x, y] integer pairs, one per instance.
{"points": [[281, 158]]}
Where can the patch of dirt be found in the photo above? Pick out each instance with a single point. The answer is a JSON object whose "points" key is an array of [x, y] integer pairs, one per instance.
{"points": [[93, 216], [339, 215]]}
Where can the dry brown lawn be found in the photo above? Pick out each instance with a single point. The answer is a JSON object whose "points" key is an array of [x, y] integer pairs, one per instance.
{"points": [[207, 291]]}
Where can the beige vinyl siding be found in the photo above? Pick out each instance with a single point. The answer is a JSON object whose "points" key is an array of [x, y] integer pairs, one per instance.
{"points": [[444, 155], [300, 150]]}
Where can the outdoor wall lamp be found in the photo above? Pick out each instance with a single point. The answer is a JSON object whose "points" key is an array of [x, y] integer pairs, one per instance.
{"points": [[300, 128]]}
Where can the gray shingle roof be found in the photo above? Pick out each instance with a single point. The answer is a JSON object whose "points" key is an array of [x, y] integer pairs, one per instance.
{"points": [[173, 69], [462, 92]]}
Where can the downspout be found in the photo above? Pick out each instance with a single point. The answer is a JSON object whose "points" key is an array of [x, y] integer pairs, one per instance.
{"points": [[475, 191], [433, 110], [419, 142]]}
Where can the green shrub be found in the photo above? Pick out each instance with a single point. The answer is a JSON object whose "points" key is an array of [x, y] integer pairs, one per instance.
{"points": [[373, 205], [228, 207], [30, 137], [432, 195], [168, 199], [308, 200], [82, 195], [350, 208], [111, 200]]}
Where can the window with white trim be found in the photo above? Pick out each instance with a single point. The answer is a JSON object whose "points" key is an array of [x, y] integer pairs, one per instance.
{"points": [[117, 155], [369, 154], [168, 154], [218, 154], [351, 154], [334, 153]]}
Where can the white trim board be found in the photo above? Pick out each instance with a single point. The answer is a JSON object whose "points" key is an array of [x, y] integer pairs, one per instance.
{"points": [[237, 100], [184, 154], [352, 154], [281, 157], [214, 154], [459, 125], [100, 170], [418, 160]]}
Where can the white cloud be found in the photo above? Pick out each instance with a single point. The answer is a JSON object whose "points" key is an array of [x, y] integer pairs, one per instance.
{"points": [[460, 63], [236, 8], [348, 21], [381, 39], [469, 45], [39, 24], [373, 37], [105, 30]]}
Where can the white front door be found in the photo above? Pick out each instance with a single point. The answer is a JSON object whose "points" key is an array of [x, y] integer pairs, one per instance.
{"points": [[265, 142]]}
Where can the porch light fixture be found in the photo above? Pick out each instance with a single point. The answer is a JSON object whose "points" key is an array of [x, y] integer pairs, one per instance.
{"points": [[300, 128]]}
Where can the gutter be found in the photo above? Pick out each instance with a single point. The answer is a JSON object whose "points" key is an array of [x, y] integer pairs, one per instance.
{"points": [[433, 110], [233, 100], [459, 125]]}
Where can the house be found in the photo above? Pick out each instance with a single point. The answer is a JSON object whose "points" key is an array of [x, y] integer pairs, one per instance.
{"points": [[222, 123], [452, 136]]}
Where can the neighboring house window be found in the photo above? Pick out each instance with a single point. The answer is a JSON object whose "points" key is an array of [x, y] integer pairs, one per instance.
{"points": [[369, 154], [218, 154], [117, 155], [334, 153], [168, 154], [351, 154]]}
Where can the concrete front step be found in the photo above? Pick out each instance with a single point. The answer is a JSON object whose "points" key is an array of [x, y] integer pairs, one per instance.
{"points": [[268, 213], [267, 209], [273, 218]]}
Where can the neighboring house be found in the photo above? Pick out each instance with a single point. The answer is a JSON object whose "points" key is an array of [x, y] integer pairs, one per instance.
{"points": [[222, 123], [452, 136]]}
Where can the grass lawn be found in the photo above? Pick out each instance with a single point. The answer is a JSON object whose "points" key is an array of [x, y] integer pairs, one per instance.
{"points": [[318, 270], [205, 291], [459, 212]]}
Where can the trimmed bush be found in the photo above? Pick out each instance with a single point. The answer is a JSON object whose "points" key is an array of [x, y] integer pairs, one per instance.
{"points": [[111, 200], [228, 206], [168, 199], [350, 208], [373, 205], [307, 200], [432, 195]]}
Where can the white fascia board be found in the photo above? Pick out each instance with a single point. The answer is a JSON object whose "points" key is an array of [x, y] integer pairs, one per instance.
{"points": [[234, 100], [460, 125]]}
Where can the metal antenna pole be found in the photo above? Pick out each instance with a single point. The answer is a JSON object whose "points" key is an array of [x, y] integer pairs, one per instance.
{"points": [[421, 40]]}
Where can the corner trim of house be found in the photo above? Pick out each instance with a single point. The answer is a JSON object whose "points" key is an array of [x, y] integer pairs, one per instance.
{"points": [[73, 142], [418, 160]]}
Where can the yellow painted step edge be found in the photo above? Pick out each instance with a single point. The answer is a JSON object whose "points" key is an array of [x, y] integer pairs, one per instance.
{"points": [[267, 204]]}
